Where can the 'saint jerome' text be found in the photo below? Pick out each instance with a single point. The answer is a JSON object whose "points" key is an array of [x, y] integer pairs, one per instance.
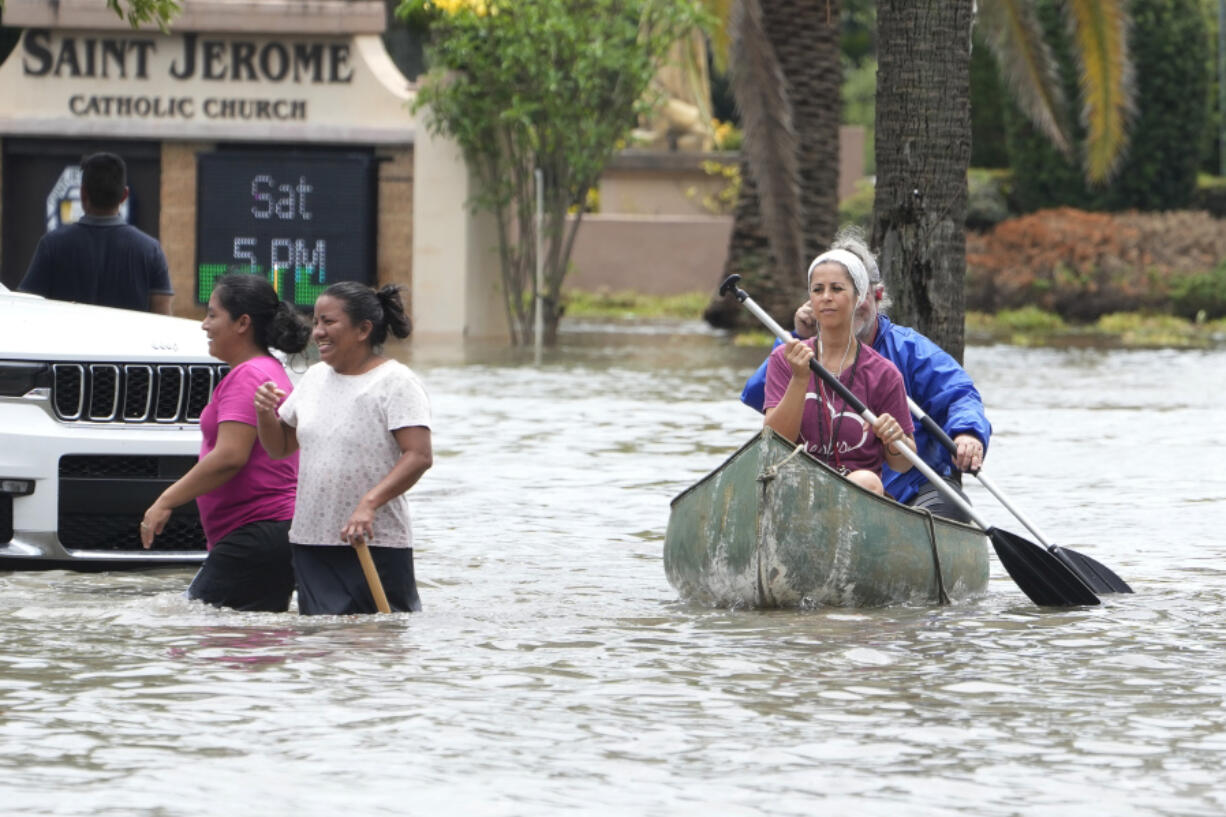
{"points": [[209, 59]]}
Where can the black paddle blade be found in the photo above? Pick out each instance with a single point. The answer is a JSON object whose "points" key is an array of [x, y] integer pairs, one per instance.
{"points": [[1044, 578], [1097, 576]]}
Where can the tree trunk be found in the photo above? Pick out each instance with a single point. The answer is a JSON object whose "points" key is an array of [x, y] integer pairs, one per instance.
{"points": [[805, 36], [923, 147]]}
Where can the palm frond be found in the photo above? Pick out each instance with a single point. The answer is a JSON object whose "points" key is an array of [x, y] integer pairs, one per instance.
{"points": [[770, 145], [1100, 31], [720, 12], [1013, 32]]}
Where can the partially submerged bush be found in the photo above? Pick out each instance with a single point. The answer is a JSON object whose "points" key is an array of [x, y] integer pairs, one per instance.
{"points": [[1029, 319], [1200, 295], [1082, 265], [605, 303]]}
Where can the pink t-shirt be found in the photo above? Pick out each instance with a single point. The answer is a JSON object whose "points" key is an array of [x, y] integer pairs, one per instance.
{"points": [[872, 378], [264, 488]]}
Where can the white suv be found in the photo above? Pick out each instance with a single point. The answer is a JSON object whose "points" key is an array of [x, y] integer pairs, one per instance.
{"points": [[99, 412]]}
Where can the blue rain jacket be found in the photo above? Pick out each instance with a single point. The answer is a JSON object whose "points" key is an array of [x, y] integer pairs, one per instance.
{"points": [[934, 380]]}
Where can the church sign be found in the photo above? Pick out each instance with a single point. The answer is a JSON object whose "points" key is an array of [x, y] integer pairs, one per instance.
{"points": [[201, 86], [301, 220]]}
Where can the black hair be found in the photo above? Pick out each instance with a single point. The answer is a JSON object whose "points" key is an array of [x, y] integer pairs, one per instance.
{"points": [[383, 308], [103, 179], [276, 324]]}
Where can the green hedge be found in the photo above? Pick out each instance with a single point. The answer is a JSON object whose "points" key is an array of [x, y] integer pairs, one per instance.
{"points": [[1210, 195], [1200, 295], [988, 146]]}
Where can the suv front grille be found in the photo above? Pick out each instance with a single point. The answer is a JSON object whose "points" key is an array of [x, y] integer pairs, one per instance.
{"points": [[104, 496], [110, 466], [122, 532], [133, 392]]}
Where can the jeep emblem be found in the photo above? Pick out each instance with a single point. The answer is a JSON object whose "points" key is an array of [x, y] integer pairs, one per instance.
{"points": [[168, 346]]}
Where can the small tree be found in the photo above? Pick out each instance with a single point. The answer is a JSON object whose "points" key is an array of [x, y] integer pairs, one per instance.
{"points": [[553, 85], [136, 12], [144, 11]]}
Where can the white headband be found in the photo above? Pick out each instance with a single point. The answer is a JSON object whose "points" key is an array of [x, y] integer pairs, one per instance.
{"points": [[855, 267]]}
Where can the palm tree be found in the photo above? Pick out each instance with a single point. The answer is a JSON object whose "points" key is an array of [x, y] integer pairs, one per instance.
{"points": [[920, 205], [923, 131], [923, 149], [786, 78]]}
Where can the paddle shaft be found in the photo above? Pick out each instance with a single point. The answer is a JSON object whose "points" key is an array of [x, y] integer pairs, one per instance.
{"points": [[863, 410], [372, 575], [952, 447]]}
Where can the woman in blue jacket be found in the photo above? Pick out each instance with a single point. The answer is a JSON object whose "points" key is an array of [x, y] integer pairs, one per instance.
{"points": [[933, 379]]}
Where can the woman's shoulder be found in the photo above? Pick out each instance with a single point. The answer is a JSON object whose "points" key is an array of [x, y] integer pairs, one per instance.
{"points": [[256, 371], [264, 365], [314, 375], [397, 372]]}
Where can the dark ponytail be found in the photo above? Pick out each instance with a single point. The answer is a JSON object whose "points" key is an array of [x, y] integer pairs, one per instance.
{"points": [[383, 308], [275, 324], [289, 331], [397, 321]]}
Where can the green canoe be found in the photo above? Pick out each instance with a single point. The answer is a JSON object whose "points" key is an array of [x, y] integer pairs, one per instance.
{"points": [[774, 527]]}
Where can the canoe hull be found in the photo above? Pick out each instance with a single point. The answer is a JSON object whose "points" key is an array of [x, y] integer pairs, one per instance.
{"points": [[772, 527]]}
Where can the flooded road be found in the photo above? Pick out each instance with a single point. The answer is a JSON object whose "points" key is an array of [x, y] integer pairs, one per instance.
{"points": [[555, 671]]}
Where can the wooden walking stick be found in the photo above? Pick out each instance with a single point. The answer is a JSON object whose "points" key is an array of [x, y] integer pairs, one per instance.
{"points": [[372, 575]]}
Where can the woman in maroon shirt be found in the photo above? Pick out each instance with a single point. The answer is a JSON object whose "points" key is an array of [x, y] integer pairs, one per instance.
{"points": [[803, 409]]}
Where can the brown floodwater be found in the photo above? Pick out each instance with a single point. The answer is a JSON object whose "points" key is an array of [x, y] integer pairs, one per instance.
{"points": [[554, 670]]}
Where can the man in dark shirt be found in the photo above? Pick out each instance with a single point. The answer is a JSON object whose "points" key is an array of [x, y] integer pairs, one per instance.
{"points": [[101, 259]]}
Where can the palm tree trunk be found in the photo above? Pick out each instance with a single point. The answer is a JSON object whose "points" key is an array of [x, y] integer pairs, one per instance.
{"points": [[923, 148], [805, 38]]}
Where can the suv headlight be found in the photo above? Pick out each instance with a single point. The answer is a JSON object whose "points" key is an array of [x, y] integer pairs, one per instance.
{"points": [[19, 377], [16, 487]]}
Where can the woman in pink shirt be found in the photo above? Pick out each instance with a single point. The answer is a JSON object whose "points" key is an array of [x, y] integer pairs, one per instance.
{"points": [[246, 498]]}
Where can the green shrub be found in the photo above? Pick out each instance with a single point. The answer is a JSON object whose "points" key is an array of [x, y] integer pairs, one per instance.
{"points": [[1210, 195], [1170, 49], [1197, 293], [1127, 329], [1028, 319], [607, 304], [988, 146], [859, 95], [987, 202], [858, 207], [1132, 329]]}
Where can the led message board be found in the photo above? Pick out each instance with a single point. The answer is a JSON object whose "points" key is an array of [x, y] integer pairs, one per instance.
{"points": [[303, 221]]}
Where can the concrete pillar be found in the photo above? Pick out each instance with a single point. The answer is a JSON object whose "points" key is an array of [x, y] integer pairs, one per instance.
{"points": [[177, 222], [457, 283]]}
